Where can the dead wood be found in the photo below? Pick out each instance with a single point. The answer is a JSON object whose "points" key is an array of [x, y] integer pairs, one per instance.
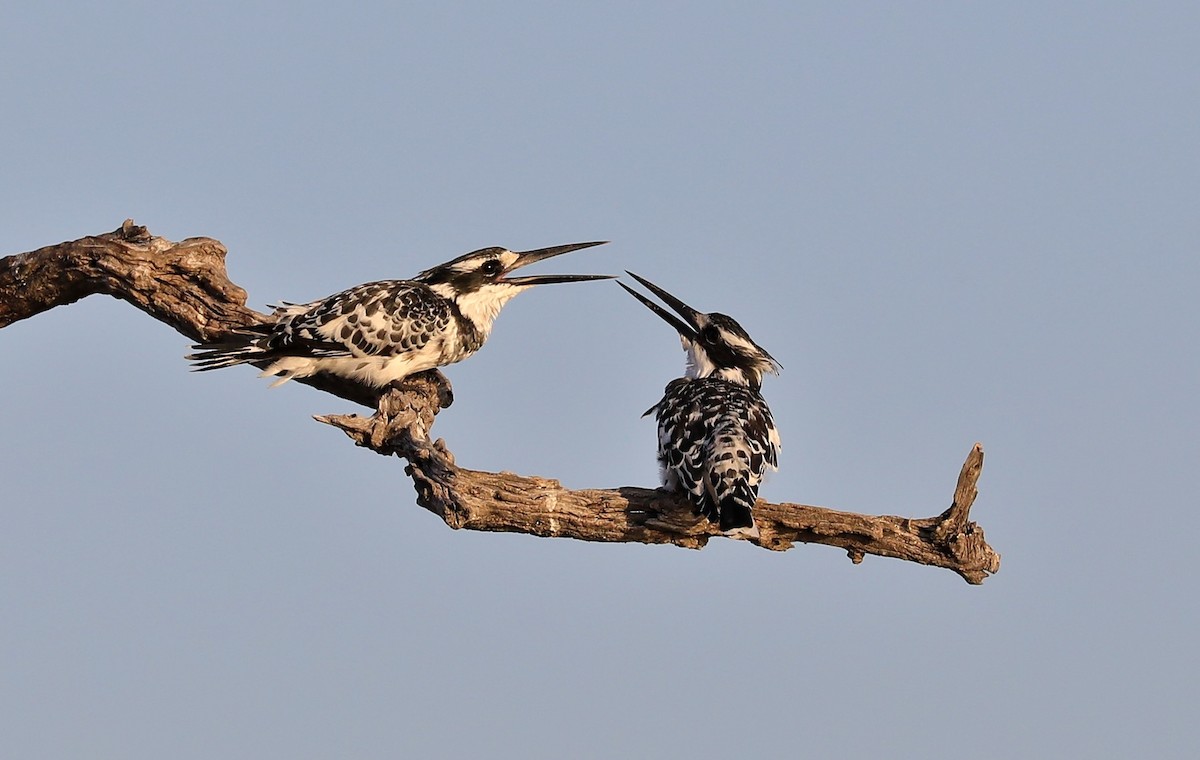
{"points": [[185, 285]]}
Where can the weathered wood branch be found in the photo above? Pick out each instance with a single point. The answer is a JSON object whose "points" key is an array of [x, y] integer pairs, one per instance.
{"points": [[185, 285]]}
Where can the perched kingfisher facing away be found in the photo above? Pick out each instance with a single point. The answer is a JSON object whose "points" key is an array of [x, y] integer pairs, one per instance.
{"points": [[715, 432], [380, 332]]}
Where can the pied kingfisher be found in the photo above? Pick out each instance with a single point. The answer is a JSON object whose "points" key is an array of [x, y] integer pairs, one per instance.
{"points": [[716, 435], [380, 332]]}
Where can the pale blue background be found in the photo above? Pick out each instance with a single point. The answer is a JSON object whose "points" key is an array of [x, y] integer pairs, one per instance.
{"points": [[949, 221]]}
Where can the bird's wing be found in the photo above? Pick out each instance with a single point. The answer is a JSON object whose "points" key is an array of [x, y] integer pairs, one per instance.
{"points": [[383, 318], [705, 422], [683, 429], [761, 435]]}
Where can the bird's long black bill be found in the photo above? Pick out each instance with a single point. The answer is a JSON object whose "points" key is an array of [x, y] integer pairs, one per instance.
{"points": [[684, 329], [690, 323], [541, 254], [550, 279], [685, 311]]}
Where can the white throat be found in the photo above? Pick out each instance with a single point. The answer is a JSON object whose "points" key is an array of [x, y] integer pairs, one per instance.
{"points": [[700, 366], [698, 363], [483, 305]]}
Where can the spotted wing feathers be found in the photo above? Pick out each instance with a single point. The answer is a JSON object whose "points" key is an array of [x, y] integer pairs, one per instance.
{"points": [[716, 440], [377, 319]]}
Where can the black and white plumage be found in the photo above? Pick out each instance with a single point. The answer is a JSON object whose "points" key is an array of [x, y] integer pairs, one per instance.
{"points": [[380, 332], [716, 435]]}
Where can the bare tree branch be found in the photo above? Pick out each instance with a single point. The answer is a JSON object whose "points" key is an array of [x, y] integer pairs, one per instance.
{"points": [[185, 285]]}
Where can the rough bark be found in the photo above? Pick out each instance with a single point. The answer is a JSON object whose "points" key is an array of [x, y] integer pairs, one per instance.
{"points": [[185, 285]]}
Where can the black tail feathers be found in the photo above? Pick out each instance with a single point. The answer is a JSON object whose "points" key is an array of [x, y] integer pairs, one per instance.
{"points": [[728, 504], [735, 508], [235, 348]]}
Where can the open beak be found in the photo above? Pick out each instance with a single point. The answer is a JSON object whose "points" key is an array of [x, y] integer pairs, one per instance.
{"points": [[532, 257], [688, 329], [689, 326]]}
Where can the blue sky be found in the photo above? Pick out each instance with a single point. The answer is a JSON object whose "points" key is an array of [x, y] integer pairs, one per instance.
{"points": [[949, 222]]}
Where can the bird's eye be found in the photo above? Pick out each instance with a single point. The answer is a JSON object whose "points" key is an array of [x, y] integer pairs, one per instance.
{"points": [[491, 266], [709, 334]]}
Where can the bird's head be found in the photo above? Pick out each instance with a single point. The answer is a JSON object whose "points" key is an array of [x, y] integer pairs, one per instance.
{"points": [[715, 343], [486, 272], [479, 282]]}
